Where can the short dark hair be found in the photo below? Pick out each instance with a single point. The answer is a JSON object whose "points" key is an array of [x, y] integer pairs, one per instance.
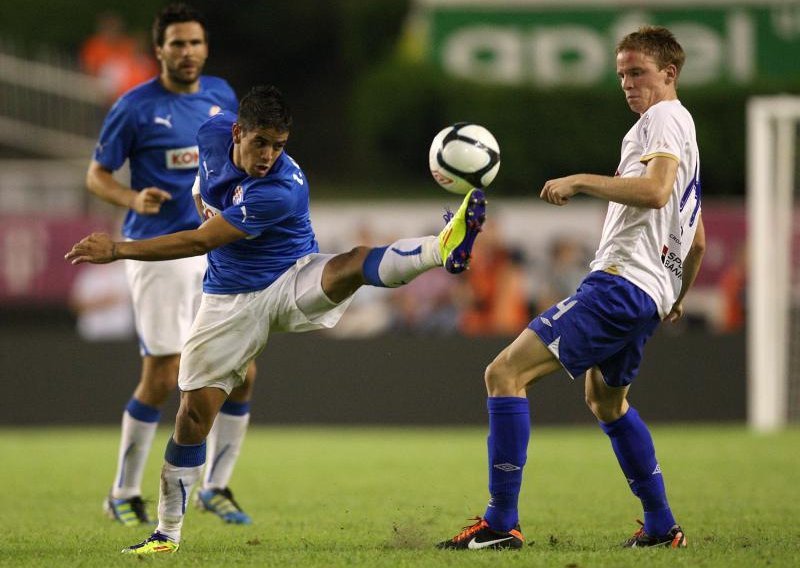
{"points": [[176, 13], [264, 107], [657, 42]]}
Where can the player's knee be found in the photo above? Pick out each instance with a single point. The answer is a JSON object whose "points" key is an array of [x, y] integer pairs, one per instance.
{"points": [[356, 257], [605, 409], [192, 423], [499, 379]]}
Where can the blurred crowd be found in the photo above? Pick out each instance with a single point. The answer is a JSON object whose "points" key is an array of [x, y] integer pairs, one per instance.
{"points": [[498, 295], [121, 60], [503, 289]]}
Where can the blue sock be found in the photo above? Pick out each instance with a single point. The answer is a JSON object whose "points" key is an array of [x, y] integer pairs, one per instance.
{"points": [[180, 455], [636, 454], [371, 266], [142, 412], [509, 432], [235, 408]]}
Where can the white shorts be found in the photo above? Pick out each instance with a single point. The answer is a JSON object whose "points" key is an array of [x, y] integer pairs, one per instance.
{"points": [[166, 295], [232, 329]]}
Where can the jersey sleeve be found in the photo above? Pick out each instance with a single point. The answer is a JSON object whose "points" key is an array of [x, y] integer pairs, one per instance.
{"points": [[662, 135], [264, 204], [116, 137]]}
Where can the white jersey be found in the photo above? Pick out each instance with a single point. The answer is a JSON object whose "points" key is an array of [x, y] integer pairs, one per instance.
{"points": [[648, 246]]}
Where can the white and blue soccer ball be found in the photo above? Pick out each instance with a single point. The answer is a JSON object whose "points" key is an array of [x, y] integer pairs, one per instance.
{"points": [[463, 156]]}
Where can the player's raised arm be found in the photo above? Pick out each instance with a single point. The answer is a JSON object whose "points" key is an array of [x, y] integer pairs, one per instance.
{"points": [[652, 190], [98, 248]]}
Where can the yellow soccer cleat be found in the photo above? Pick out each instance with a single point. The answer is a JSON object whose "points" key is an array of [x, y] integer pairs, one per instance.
{"points": [[156, 543], [458, 236]]}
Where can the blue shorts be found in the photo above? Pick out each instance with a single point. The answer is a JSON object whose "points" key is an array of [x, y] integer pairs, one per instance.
{"points": [[605, 324]]}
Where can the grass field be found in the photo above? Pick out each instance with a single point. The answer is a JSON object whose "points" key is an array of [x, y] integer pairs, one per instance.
{"points": [[382, 497]]}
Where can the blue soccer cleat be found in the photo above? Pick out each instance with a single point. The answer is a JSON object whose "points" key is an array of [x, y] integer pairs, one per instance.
{"points": [[221, 503], [128, 512]]}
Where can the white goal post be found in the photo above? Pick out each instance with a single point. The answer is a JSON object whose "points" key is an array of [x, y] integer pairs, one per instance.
{"points": [[772, 131]]}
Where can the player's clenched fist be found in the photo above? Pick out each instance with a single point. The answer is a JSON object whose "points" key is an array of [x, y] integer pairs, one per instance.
{"points": [[97, 248], [558, 191], [148, 201]]}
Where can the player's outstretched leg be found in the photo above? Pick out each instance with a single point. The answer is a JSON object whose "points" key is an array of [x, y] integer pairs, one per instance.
{"points": [[481, 535], [403, 260], [458, 236]]}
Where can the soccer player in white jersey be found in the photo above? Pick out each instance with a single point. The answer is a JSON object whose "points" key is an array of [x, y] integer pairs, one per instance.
{"points": [[265, 274], [154, 126], [649, 255]]}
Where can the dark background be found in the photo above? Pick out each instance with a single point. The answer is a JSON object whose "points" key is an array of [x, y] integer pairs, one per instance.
{"points": [[364, 115], [50, 376]]}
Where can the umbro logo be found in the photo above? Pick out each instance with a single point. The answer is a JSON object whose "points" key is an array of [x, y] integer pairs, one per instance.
{"points": [[163, 120], [506, 467]]}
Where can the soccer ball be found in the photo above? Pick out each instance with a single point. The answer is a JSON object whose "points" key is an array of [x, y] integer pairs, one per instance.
{"points": [[463, 156]]}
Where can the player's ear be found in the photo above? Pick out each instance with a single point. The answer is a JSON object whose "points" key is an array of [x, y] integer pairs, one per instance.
{"points": [[672, 73], [236, 132]]}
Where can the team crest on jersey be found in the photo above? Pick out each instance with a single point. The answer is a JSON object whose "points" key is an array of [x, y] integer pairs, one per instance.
{"points": [[214, 110], [238, 195]]}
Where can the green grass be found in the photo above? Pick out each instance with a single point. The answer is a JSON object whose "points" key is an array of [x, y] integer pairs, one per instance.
{"points": [[382, 497]]}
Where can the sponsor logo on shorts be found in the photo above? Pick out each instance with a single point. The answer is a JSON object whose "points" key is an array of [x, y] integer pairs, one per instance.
{"points": [[183, 158]]}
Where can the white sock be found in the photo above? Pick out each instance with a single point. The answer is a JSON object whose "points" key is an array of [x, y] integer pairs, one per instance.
{"points": [[176, 486], [406, 259], [224, 444], [134, 447]]}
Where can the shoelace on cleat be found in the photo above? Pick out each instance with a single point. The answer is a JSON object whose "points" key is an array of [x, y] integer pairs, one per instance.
{"points": [[639, 532], [469, 530], [448, 214]]}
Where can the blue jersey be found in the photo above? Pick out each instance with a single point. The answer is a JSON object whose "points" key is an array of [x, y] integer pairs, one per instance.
{"points": [[272, 210], [157, 131]]}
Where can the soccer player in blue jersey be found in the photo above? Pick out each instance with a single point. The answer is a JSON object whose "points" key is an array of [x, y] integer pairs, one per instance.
{"points": [[649, 255], [265, 274], [154, 127]]}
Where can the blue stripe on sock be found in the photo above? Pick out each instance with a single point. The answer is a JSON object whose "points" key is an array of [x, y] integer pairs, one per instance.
{"points": [[218, 457], [185, 456], [371, 265], [412, 252], [142, 412], [235, 408], [183, 496], [128, 451]]}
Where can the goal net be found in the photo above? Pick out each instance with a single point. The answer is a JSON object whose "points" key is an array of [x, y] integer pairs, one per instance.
{"points": [[773, 291]]}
